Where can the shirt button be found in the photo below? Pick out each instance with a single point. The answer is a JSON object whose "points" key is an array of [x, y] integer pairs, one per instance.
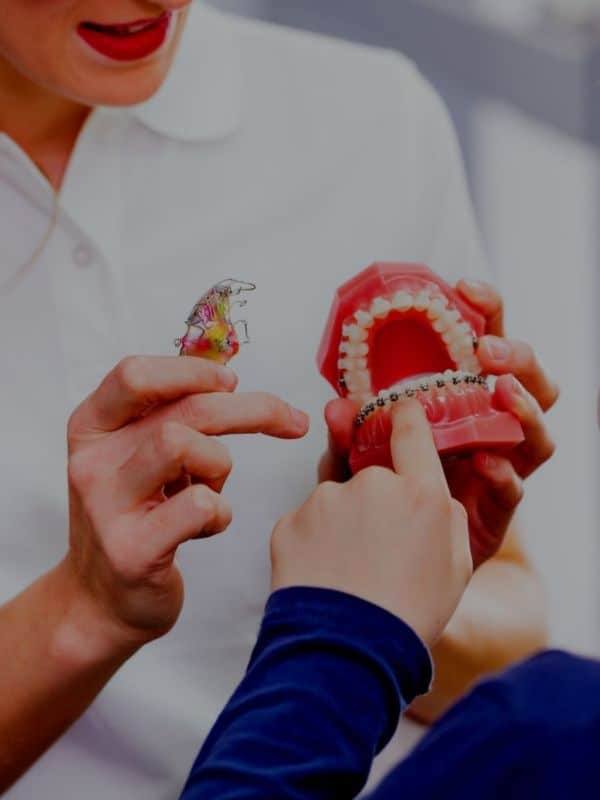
{"points": [[82, 255]]}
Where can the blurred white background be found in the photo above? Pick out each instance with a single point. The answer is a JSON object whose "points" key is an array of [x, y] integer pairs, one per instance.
{"points": [[537, 196]]}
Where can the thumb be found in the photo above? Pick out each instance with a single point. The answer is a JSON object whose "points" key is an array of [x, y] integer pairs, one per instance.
{"points": [[340, 416]]}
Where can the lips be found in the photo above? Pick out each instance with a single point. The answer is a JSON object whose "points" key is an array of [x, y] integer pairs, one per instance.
{"points": [[127, 41], [398, 330]]}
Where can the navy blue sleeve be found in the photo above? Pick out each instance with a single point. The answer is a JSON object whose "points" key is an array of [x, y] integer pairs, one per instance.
{"points": [[531, 732], [327, 681]]}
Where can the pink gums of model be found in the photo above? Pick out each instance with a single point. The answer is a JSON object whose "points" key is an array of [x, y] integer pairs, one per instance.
{"points": [[398, 330]]}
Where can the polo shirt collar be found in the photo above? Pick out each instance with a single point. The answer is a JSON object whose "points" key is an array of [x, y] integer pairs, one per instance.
{"points": [[201, 99]]}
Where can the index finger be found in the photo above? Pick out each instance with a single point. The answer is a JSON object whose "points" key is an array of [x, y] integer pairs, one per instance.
{"points": [[139, 383], [413, 449]]}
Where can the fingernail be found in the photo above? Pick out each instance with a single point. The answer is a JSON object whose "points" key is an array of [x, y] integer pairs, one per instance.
{"points": [[227, 378], [476, 287], [499, 349], [300, 420], [517, 387]]}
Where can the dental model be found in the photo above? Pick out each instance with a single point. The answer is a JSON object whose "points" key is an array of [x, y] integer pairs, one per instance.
{"points": [[211, 333], [398, 330]]}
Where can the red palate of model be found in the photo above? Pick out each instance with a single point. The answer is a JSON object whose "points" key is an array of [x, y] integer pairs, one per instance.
{"points": [[398, 330]]}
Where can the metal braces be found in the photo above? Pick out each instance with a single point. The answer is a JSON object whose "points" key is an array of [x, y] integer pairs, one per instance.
{"points": [[394, 397]]}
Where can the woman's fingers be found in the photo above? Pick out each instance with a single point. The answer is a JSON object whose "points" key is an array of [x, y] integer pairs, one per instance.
{"points": [[197, 512], [172, 450], [504, 486], [499, 356], [494, 505], [502, 356], [538, 446], [138, 384], [339, 416], [487, 300], [216, 414]]}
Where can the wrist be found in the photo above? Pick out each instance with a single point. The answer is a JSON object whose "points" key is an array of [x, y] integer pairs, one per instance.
{"points": [[86, 635]]}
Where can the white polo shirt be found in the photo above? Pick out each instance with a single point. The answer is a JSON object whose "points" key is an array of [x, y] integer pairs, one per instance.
{"points": [[272, 156]]}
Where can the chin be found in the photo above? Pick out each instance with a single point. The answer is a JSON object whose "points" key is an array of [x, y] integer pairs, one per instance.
{"points": [[127, 94], [133, 86]]}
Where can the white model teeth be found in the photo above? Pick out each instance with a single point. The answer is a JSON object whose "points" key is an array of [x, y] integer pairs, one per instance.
{"points": [[445, 320], [364, 319], [402, 301], [422, 301], [354, 349], [355, 333], [358, 383], [380, 307]]}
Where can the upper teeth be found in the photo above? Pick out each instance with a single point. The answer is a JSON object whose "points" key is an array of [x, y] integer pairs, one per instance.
{"points": [[448, 322], [139, 27]]}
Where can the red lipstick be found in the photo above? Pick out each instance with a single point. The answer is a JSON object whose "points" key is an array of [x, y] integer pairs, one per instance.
{"points": [[129, 41]]}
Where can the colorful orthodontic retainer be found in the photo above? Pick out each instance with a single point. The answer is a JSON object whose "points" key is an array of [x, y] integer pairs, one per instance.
{"points": [[398, 330], [211, 332]]}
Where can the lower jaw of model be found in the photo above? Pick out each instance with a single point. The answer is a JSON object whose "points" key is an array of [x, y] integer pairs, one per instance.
{"points": [[412, 337]]}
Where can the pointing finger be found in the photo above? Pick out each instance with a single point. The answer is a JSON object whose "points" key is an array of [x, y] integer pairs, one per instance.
{"points": [[413, 449]]}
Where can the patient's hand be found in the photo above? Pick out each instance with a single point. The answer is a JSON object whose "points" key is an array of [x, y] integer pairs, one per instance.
{"points": [[394, 538]]}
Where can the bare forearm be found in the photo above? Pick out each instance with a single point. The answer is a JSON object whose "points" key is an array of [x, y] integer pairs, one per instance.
{"points": [[57, 660], [501, 620]]}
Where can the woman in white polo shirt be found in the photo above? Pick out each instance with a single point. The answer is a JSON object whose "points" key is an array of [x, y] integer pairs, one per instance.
{"points": [[270, 155]]}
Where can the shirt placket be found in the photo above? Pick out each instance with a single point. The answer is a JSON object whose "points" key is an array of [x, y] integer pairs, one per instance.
{"points": [[87, 279]]}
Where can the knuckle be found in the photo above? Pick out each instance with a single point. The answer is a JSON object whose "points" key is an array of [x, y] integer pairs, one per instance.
{"points": [[81, 472], [123, 563], [326, 492], [551, 396], [519, 493], [274, 408], [526, 355], [429, 490], [131, 374], [204, 500], [548, 450], [224, 460], [373, 477], [170, 440], [459, 513], [73, 424], [194, 411]]}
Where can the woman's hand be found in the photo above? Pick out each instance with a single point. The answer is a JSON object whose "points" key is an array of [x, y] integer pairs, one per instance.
{"points": [[145, 475], [151, 423], [396, 539], [489, 485]]}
